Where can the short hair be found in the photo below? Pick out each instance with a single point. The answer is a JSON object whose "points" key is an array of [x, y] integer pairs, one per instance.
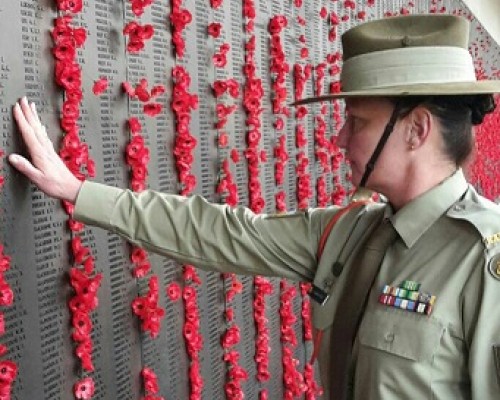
{"points": [[456, 114]]}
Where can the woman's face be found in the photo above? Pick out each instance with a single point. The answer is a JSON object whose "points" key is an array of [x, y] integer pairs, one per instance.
{"points": [[366, 119]]}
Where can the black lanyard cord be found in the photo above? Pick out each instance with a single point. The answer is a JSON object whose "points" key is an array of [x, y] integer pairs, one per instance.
{"points": [[380, 146]]}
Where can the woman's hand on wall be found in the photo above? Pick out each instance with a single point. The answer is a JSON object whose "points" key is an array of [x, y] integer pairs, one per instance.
{"points": [[46, 169]]}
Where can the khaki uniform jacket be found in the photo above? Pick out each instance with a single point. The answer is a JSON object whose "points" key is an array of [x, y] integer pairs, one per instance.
{"points": [[448, 241]]}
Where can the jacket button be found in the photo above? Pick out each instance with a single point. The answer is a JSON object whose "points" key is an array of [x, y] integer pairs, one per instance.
{"points": [[389, 337]]}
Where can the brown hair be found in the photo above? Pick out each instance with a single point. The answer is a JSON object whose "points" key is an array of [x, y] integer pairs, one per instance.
{"points": [[456, 114]]}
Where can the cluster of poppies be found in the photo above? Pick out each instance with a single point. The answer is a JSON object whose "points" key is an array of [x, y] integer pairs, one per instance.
{"points": [[83, 302], [8, 368], [322, 149], [301, 76], [141, 93], [138, 6], [262, 289], [150, 382], [304, 191], [147, 310], [137, 35], [67, 39], [179, 19], [339, 192], [230, 339], [312, 388], [137, 157], [183, 103], [191, 331], [293, 382], [226, 186], [252, 102], [220, 58], [279, 69]]}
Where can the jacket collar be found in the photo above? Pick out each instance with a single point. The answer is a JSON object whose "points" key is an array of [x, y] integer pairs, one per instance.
{"points": [[415, 218]]}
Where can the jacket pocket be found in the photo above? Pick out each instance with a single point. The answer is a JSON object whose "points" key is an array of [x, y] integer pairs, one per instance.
{"points": [[409, 335]]}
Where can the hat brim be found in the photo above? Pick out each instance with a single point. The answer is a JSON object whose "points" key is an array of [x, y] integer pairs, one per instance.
{"points": [[429, 89]]}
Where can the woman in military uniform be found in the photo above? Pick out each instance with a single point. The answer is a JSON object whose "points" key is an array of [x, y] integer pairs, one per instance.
{"points": [[407, 291]]}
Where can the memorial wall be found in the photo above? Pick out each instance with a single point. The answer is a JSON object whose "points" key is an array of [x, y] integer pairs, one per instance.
{"points": [[182, 96]]}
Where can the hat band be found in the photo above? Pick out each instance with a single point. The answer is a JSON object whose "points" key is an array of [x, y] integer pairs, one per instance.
{"points": [[407, 66]]}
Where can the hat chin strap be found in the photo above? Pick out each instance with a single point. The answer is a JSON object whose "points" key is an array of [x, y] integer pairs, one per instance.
{"points": [[370, 166]]}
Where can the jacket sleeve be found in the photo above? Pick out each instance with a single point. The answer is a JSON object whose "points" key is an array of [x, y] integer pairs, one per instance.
{"points": [[482, 329], [211, 236]]}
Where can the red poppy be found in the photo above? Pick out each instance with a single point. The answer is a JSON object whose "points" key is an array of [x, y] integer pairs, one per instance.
{"points": [[219, 88], [174, 291], [235, 155], [152, 109], [219, 60], [100, 86], [249, 26], [134, 125], [276, 24], [6, 293], [150, 380], [68, 76], [8, 371], [140, 270], [84, 389], [214, 29], [157, 90], [64, 50], [215, 3], [223, 139], [73, 6]]}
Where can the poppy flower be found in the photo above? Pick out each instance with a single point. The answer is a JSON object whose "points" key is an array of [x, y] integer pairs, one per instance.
{"points": [[134, 125], [100, 86], [150, 380], [6, 294], [215, 3], [68, 75], [219, 87], [219, 60], [223, 139], [152, 109], [64, 50], [84, 389], [73, 6], [157, 90], [8, 371], [235, 155], [214, 29], [174, 291]]}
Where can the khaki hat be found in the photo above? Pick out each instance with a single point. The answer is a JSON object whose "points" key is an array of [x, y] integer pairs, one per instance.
{"points": [[410, 55]]}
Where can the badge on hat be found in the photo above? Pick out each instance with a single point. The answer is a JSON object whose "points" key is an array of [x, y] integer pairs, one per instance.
{"points": [[408, 297], [494, 266]]}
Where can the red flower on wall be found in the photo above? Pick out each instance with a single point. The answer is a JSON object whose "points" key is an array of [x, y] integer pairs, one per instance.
{"points": [[100, 86], [73, 6], [84, 389], [137, 35], [214, 29], [138, 6]]}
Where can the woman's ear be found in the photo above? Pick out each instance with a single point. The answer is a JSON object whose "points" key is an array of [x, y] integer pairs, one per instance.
{"points": [[421, 122]]}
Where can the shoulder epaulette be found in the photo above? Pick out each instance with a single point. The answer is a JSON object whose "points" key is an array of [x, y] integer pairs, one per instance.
{"points": [[483, 214]]}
